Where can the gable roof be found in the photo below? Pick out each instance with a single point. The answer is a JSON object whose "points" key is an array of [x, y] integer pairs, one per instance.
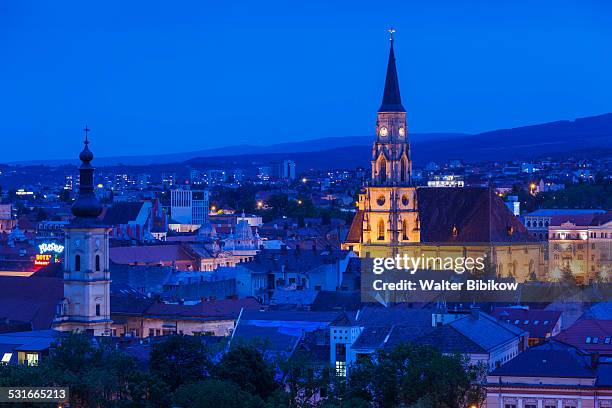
{"points": [[485, 330], [548, 359], [590, 335], [539, 323], [32, 300], [478, 215], [121, 213]]}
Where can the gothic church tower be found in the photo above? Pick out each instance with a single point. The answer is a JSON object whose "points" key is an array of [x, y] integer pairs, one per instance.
{"points": [[387, 207], [86, 303]]}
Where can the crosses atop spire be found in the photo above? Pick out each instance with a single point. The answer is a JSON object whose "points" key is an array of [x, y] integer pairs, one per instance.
{"points": [[86, 130]]}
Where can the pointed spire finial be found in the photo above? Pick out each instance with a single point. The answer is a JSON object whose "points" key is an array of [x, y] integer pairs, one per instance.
{"points": [[392, 101], [86, 130]]}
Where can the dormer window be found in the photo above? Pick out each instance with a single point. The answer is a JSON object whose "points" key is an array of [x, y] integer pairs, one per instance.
{"points": [[455, 231]]}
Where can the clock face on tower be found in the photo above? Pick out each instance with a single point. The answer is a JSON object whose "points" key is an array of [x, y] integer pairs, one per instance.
{"points": [[383, 131], [402, 132]]}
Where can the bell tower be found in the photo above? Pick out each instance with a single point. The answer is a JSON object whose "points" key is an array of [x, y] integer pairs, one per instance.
{"points": [[86, 303], [391, 164], [388, 216]]}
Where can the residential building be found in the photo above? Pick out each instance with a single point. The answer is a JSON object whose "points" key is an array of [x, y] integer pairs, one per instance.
{"points": [[580, 246]]}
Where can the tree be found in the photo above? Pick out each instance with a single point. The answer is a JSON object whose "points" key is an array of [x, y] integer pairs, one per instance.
{"points": [[411, 375], [180, 360], [245, 366], [214, 393]]}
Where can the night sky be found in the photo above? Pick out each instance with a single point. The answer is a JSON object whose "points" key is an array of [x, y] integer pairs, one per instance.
{"points": [[173, 76]]}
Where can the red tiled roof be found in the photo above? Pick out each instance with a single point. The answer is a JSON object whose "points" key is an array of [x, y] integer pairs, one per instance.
{"points": [[537, 322], [590, 335], [354, 234], [32, 299], [214, 309], [149, 254]]}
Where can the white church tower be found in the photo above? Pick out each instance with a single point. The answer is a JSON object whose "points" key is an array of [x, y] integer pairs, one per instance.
{"points": [[86, 303]]}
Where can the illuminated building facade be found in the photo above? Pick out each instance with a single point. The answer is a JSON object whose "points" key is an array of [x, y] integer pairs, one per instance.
{"points": [[581, 245], [395, 217]]}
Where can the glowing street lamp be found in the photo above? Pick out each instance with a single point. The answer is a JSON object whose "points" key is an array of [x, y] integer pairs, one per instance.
{"points": [[260, 204]]}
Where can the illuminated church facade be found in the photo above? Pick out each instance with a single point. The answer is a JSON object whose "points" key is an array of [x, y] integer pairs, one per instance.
{"points": [[396, 217]]}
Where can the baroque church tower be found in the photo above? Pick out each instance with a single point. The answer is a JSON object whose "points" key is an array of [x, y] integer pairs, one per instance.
{"points": [[388, 205], [86, 303]]}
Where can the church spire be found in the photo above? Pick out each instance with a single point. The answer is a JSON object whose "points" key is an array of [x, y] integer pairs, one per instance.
{"points": [[87, 205], [391, 97]]}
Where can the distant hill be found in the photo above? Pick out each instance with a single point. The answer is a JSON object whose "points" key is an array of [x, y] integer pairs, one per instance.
{"points": [[581, 137], [585, 137], [290, 147]]}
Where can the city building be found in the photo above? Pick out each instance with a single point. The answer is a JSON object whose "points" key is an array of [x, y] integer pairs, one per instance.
{"points": [[189, 206], [537, 221], [540, 324], [552, 375], [580, 246]]}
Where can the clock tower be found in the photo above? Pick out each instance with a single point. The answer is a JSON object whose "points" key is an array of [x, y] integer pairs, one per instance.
{"points": [[86, 303], [388, 206]]}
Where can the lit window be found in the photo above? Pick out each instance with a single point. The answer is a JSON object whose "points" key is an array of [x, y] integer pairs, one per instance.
{"points": [[588, 340], [516, 321], [546, 322], [6, 358], [536, 322], [607, 340], [526, 322], [341, 368], [32, 359], [595, 340]]}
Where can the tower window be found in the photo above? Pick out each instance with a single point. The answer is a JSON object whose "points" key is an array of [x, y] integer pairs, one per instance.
{"points": [[97, 263], [98, 309], [383, 170], [381, 230], [405, 229], [77, 263], [403, 170]]}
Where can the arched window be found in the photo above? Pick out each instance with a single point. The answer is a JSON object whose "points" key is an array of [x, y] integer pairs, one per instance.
{"points": [[77, 263], [382, 169], [405, 229], [403, 170], [381, 230], [97, 263]]}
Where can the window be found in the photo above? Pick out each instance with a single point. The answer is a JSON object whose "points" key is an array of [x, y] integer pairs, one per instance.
{"points": [[77, 263], [546, 322], [510, 406], [382, 170], [98, 309], [341, 369], [531, 406], [607, 340], [595, 340], [381, 230], [31, 359], [588, 340], [516, 321], [404, 229], [526, 322], [403, 170], [536, 322], [97, 263], [6, 358]]}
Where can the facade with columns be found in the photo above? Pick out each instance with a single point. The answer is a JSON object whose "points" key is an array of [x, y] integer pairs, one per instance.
{"points": [[86, 303], [396, 217]]}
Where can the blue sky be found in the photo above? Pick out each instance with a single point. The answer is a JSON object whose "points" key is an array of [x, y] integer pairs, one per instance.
{"points": [[160, 76]]}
